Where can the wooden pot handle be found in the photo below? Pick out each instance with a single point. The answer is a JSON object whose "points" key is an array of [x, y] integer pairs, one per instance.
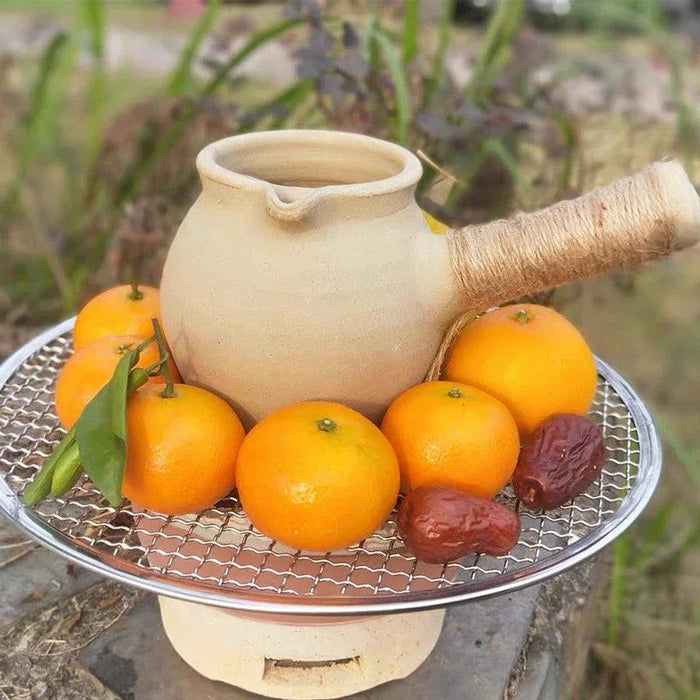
{"points": [[630, 221]]}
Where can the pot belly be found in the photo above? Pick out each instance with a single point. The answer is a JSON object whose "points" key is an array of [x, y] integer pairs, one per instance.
{"points": [[261, 360], [266, 317]]}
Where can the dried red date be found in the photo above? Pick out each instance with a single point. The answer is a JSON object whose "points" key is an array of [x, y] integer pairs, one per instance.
{"points": [[558, 461], [440, 525]]}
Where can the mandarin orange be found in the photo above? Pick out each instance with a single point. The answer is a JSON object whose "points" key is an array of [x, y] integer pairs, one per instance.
{"points": [[436, 226], [528, 356], [181, 451], [117, 311], [450, 434], [91, 367], [317, 476]]}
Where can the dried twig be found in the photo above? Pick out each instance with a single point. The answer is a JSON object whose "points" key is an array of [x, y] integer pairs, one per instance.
{"points": [[86, 643], [17, 556], [13, 545], [446, 174]]}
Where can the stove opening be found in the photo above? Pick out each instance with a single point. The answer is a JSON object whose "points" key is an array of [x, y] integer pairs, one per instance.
{"points": [[278, 666]]}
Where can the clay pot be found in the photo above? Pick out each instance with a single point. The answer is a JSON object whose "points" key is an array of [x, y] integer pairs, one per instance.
{"points": [[306, 270]]}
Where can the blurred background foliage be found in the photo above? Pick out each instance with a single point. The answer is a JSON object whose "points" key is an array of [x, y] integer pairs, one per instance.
{"points": [[510, 105]]}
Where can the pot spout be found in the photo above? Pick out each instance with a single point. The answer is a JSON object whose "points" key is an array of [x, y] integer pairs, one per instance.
{"points": [[291, 204], [301, 174]]}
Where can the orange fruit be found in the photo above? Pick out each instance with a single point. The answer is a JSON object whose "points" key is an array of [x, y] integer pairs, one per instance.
{"points": [[116, 312], [450, 434], [317, 476], [181, 451], [91, 367], [531, 358], [435, 226]]}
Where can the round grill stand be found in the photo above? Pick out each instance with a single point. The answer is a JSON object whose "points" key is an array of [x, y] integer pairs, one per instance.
{"points": [[242, 608]]}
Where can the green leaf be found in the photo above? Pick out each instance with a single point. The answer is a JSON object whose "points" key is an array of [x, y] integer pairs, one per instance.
{"points": [[41, 484], [181, 75], [101, 432], [67, 472], [409, 41]]}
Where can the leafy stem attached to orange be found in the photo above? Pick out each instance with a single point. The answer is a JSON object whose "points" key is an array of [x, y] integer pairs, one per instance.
{"points": [[164, 371], [135, 293], [96, 444], [522, 316]]}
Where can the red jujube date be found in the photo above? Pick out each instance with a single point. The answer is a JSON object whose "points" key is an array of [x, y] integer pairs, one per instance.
{"points": [[440, 525], [558, 461]]}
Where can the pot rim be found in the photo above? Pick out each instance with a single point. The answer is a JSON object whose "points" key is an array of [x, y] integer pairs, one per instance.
{"points": [[210, 167]]}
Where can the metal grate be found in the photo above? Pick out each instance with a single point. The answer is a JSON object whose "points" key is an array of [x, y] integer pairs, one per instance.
{"points": [[220, 558]]}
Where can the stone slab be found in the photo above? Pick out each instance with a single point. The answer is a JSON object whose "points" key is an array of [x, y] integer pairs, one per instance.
{"points": [[553, 659], [520, 645], [36, 579], [478, 648]]}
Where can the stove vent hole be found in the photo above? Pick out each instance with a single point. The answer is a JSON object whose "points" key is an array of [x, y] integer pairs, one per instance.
{"points": [[277, 666]]}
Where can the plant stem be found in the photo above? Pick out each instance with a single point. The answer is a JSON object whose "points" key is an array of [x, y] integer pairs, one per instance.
{"points": [[164, 371], [142, 346], [149, 369]]}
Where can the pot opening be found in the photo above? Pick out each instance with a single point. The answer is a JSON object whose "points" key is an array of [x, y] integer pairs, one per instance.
{"points": [[312, 159]]}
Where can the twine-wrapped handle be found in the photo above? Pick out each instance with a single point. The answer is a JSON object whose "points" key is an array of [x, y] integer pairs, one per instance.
{"points": [[628, 222], [639, 218]]}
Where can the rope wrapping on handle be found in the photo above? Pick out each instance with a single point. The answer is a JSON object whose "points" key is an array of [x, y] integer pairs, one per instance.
{"points": [[628, 222], [622, 224]]}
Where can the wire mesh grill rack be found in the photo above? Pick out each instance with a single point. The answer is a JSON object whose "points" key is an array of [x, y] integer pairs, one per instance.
{"points": [[218, 557]]}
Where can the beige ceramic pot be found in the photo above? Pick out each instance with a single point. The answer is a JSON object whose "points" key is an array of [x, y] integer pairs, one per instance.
{"points": [[305, 269]]}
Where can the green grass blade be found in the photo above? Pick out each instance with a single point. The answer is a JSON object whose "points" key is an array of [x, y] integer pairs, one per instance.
{"points": [[654, 533], [618, 584], [438, 68], [409, 39], [402, 132], [40, 109], [498, 149], [688, 458], [255, 42], [567, 129], [92, 19], [142, 170], [501, 153], [40, 97], [182, 74], [501, 31], [290, 99], [374, 56]]}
